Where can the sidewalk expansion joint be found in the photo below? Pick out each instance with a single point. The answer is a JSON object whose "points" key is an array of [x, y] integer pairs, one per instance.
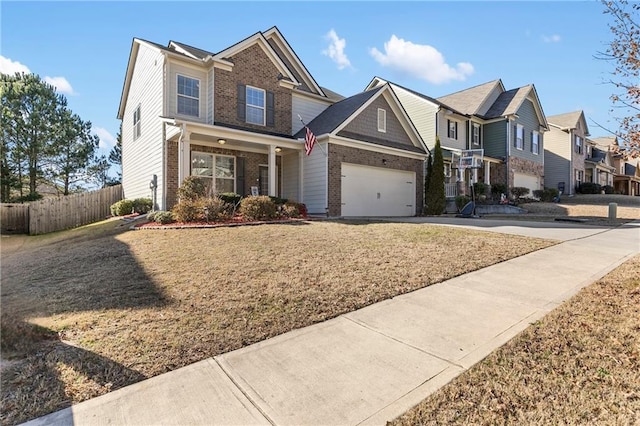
{"points": [[365, 326]]}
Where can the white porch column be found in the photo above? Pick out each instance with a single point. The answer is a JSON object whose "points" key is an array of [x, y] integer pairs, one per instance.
{"points": [[475, 175], [301, 176], [272, 170], [184, 156], [487, 170]]}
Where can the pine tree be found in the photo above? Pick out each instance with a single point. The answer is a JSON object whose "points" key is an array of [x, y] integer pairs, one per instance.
{"points": [[436, 199], [427, 177]]}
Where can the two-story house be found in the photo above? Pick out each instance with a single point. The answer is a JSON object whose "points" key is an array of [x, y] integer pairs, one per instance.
{"points": [[508, 125], [598, 164], [566, 151], [626, 168], [235, 118]]}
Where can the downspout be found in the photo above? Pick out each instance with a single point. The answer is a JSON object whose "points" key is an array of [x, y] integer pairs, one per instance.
{"points": [[508, 151], [164, 167]]}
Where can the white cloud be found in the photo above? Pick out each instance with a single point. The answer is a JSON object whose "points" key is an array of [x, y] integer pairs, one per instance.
{"points": [[61, 84], [7, 66], [551, 39], [420, 61], [107, 141], [335, 50]]}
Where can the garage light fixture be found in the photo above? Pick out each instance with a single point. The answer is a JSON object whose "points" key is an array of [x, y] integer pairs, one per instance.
{"points": [[222, 141]]}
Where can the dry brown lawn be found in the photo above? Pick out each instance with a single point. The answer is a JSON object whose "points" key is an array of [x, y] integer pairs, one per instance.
{"points": [[593, 208], [88, 311], [578, 365]]}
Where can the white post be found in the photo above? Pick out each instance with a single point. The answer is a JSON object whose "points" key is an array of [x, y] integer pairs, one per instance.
{"points": [[272, 170], [487, 171], [301, 176], [184, 155]]}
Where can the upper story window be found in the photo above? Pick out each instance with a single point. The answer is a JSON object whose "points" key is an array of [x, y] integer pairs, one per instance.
{"points": [[188, 96], [382, 120], [535, 142], [452, 129], [519, 137], [579, 147], [255, 105], [137, 127], [475, 135]]}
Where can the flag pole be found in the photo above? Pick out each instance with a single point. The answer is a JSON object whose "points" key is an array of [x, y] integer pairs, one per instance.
{"points": [[319, 144]]}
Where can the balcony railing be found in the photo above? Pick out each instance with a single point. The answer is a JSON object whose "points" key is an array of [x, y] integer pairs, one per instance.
{"points": [[450, 190]]}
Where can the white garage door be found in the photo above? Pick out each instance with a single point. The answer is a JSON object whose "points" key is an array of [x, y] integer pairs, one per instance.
{"points": [[528, 181], [374, 191]]}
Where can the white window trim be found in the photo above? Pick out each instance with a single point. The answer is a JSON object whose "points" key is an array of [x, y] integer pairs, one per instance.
{"points": [[475, 126], [535, 135], [455, 129], [187, 96], [579, 146], [382, 120], [519, 129], [213, 171], [247, 105], [137, 125]]}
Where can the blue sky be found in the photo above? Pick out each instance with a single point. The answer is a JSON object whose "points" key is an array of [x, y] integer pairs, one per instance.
{"points": [[435, 48]]}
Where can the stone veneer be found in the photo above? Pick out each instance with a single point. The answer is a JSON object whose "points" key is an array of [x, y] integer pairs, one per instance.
{"points": [[339, 154], [520, 165]]}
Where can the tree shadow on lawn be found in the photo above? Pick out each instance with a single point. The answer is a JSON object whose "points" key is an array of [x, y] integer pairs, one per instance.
{"points": [[53, 281]]}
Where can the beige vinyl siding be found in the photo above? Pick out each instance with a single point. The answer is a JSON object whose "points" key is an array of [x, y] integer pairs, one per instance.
{"points": [[290, 176], [421, 112], [557, 159], [172, 90], [143, 157], [308, 108], [443, 131], [315, 169], [209, 95]]}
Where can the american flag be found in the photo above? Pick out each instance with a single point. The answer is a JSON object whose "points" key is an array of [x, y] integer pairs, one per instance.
{"points": [[309, 141]]}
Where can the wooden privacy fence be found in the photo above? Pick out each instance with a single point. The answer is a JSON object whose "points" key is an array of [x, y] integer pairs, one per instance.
{"points": [[56, 214], [14, 218]]}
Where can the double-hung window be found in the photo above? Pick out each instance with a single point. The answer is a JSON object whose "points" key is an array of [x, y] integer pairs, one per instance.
{"points": [[217, 171], [578, 144], [475, 135], [452, 129], [519, 140], [188, 96], [535, 142], [382, 120], [137, 127], [255, 105]]}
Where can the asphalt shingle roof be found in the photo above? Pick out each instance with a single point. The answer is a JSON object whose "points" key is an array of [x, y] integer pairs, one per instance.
{"points": [[469, 100], [198, 53], [508, 102], [567, 120]]}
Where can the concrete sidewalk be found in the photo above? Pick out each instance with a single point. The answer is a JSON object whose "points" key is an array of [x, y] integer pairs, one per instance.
{"points": [[371, 365]]}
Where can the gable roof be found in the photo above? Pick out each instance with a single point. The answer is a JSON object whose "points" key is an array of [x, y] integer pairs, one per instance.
{"points": [[470, 100], [194, 52], [568, 120], [378, 81], [508, 102], [333, 119]]}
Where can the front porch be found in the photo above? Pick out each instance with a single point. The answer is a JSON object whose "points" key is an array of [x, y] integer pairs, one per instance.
{"points": [[231, 160]]}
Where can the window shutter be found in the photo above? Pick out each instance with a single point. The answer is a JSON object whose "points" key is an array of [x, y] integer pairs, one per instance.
{"points": [[531, 137], [242, 102], [271, 120], [240, 176], [456, 135], [515, 135]]}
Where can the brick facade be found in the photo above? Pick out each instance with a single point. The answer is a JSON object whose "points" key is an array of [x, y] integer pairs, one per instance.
{"points": [[252, 164], [254, 68], [339, 154]]}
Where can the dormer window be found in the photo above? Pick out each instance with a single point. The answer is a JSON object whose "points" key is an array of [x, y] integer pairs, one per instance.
{"points": [[382, 120], [188, 96]]}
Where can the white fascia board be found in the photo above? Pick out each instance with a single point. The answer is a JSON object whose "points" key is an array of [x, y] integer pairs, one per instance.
{"points": [[367, 146], [375, 82], [135, 46]]}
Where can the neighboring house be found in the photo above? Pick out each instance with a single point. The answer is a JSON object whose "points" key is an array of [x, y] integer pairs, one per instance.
{"points": [[626, 170], [508, 125], [433, 119], [566, 151], [232, 118], [598, 164]]}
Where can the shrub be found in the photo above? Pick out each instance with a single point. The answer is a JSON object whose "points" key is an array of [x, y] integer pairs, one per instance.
{"points": [[546, 195], [278, 201], [192, 188], [230, 197], [498, 189], [215, 209], [518, 192], [290, 210], [480, 188], [164, 217], [122, 207], [189, 210], [589, 188], [608, 189], [151, 216], [260, 207], [142, 205], [461, 201]]}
